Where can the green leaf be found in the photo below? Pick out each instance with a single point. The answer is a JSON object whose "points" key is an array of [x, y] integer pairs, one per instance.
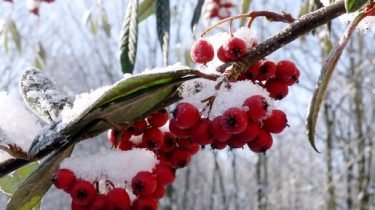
{"points": [[15, 35], [245, 6], [41, 51], [145, 9], [125, 102], [104, 23], [324, 79], [163, 16], [354, 5], [10, 183], [31, 191], [129, 36], [196, 15]]}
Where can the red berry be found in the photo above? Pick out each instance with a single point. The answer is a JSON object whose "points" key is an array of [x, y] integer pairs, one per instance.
{"points": [[118, 198], [83, 192], [261, 143], [217, 131], [144, 183], [185, 143], [276, 122], [186, 115], [234, 120], [221, 55], [202, 51], [250, 133], [256, 107], [219, 145], [234, 48], [180, 158], [236, 142], [145, 204], [112, 135], [100, 203], [253, 71], [278, 90], [125, 145], [286, 71], [153, 138], [164, 173], [182, 133], [169, 142], [64, 179], [75, 206], [138, 127], [159, 192], [194, 148], [158, 119], [267, 70], [200, 134]]}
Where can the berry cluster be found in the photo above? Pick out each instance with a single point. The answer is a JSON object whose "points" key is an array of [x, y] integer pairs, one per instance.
{"points": [[217, 9], [274, 77], [166, 145], [147, 186], [234, 128]]}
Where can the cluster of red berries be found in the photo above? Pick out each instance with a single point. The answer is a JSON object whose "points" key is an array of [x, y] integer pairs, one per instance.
{"points": [[274, 77], [147, 186], [234, 128], [218, 9], [166, 146]]}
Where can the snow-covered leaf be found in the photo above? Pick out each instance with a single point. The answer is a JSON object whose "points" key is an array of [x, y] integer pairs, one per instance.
{"points": [[324, 79], [354, 5], [31, 191], [129, 36], [163, 16], [123, 103], [10, 183], [41, 95]]}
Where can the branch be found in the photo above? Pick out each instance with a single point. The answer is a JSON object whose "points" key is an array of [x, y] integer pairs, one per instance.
{"points": [[299, 27]]}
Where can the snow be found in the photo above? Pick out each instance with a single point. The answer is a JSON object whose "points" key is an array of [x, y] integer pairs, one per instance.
{"points": [[170, 68], [18, 125], [81, 103], [117, 166], [195, 91]]}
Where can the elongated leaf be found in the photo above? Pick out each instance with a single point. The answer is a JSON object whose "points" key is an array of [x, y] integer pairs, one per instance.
{"points": [[31, 191], [104, 22], [10, 183], [324, 79], [129, 36], [245, 6], [196, 15], [15, 35], [124, 102], [354, 5], [163, 15], [145, 9]]}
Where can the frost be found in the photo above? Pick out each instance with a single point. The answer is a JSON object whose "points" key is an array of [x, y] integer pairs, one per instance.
{"points": [[18, 125], [196, 91], [325, 2], [116, 166], [367, 24]]}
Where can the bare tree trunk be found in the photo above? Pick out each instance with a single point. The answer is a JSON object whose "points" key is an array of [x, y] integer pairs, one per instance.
{"points": [[329, 122], [261, 177]]}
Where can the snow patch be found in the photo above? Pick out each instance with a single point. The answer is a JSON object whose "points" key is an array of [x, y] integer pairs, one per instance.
{"points": [[116, 166], [18, 125]]}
